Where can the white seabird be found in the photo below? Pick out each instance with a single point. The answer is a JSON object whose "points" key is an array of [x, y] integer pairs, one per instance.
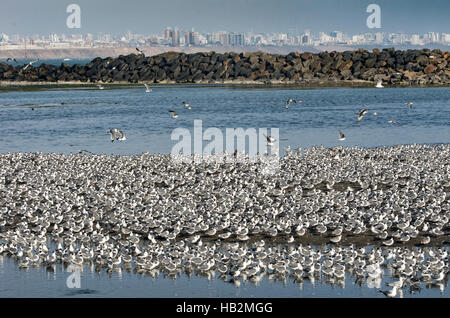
{"points": [[341, 136], [117, 134], [270, 140], [147, 88], [30, 64], [291, 100], [361, 114], [379, 84], [140, 52]]}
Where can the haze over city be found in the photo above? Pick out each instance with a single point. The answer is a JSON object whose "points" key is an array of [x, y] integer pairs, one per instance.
{"points": [[27, 17]]}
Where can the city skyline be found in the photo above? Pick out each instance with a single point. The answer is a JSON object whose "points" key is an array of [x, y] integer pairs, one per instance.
{"points": [[148, 17], [172, 36]]}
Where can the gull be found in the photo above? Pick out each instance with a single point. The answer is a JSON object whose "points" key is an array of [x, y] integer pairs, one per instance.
{"points": [[341, 136], [425, 240], [100, 86], [375, 113], [270, 140], [147, 88], [397, 284], [29, 64], [186, 104], [11, 59], [291, 100], [140, 52], [391, 293], [336, 239], [174, 113], [361, 114], [393, 121], [389, 242], [117, 134], [379, 84], [409, 104]]}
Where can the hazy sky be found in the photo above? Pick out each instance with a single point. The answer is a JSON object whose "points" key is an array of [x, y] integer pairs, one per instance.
{"points": [[28, 17]]}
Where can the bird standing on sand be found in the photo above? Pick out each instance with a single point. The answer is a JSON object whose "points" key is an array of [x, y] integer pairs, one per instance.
{"points": [[361, 114], [147, 88], [30, 64], [117, 134], [174, 113], [341, 136]]}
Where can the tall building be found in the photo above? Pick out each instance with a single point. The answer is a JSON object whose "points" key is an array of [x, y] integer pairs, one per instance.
{"points": [[337, 35], [167, 34], [223, 38], [175, 37], [415, 39], [446, 37], [235, 39], [378, 37], [4, 37], [189, 38]]}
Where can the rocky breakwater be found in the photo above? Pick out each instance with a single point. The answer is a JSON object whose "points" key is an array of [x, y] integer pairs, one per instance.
{"points": [[411, 67]]}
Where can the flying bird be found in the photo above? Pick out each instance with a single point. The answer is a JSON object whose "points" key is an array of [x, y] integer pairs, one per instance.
{"points": [[409, 104], [379, 84], [117, 134], [361, 114], [341, 136], [174, 113], [147, 88], [11, 59], [270, 140], [290, 101], [100, 86], [30, 64], [393, 121], [140, 52]]}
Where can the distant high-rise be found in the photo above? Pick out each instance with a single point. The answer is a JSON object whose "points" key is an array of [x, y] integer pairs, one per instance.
{"points": [[189, 38], [235, 39], [175, 37], [167, 34]]}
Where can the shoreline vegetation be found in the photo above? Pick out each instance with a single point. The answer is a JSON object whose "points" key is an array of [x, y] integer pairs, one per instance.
{"points": [[359, 68]]}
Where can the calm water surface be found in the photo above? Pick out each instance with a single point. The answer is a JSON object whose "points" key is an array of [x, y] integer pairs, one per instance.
{"points": [[84, 117]]}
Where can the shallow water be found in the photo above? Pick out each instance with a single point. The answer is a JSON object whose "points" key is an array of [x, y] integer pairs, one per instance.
{"points": [[86, 115], [40, 282]]}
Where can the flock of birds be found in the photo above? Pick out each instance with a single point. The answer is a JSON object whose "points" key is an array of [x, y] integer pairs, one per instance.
{"points": [[314, 219], [150, 214]]}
